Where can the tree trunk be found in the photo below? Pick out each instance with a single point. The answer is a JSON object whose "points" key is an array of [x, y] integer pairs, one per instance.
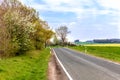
{"points": [[45, 44]]}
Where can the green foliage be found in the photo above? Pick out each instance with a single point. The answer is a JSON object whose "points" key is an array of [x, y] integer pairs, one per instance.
{"points": [[21, 28], [55, 40], [48, 34], [19, 32], [32, 66]]}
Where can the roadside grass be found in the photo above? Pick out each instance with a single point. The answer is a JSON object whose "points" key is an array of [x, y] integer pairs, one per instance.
{"points": [[32, 66], [108, 52]]}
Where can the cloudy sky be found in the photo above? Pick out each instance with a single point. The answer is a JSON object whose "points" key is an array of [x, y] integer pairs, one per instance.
{"points": [[86, 19]]}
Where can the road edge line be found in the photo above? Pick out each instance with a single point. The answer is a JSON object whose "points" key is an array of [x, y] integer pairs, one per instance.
{"points": [[70, 78]]}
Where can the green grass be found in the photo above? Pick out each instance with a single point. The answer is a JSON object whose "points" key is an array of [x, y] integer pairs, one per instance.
{"points": [[32, 66], [107, 52]]}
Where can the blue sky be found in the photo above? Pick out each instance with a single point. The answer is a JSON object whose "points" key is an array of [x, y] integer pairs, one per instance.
{"points": [[86, 19]]}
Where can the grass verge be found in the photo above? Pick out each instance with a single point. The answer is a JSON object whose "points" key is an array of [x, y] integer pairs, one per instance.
{"points": [[32, 66], [111, 53]]}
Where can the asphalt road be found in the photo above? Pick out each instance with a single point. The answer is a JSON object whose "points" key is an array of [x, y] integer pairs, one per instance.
{"points": [[84, 67]]}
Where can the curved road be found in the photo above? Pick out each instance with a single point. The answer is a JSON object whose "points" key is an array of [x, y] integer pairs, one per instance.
{"points": [[84, 67]]}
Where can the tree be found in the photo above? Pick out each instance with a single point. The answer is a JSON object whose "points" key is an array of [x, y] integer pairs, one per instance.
{"points": [[42, 34], [62, 32], [19, 25], [21, 29], [55, 40], [48, 34]]}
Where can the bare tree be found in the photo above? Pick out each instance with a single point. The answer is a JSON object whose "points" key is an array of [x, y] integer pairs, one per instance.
{"points": [[62, 32]]}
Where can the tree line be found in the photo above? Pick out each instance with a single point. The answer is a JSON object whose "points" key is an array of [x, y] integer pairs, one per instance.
{"points": [[21, 29], [106, 40]]}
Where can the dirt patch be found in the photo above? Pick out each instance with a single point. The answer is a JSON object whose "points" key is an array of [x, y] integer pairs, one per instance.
{"points": [[55, 72]]}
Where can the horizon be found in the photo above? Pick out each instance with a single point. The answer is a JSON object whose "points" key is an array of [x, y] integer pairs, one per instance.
{"points": [[96, 39]]}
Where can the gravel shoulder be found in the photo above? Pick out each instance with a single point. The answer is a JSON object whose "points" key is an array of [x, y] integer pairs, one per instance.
{"points": [[55, 71]]}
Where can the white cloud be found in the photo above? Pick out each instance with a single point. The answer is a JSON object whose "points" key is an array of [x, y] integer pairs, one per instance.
{"points": [[70, 38], [45, 7], [70, 25], [58, 5], [28, 2], [76, 7], [110, 4], [56, 2]]}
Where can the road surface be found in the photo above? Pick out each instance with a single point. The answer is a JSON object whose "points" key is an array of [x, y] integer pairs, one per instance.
{"points": [[84, 67]]}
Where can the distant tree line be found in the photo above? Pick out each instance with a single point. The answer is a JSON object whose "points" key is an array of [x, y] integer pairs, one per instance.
{"points": [[106, 41], [99, 41], [21, 29]]}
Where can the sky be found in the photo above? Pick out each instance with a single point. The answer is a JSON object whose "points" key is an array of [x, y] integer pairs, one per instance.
{"points": [[86, 19]]}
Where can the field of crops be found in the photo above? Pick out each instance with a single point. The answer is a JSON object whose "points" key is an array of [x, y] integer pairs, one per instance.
{"points": [[107, 51]]}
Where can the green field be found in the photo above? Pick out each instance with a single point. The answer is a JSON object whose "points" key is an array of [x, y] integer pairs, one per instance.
{"points": [[32, 66], [104, 51]]}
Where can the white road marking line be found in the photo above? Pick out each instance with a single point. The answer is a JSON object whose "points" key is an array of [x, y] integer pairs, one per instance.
{"points": [[70, 78]]}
